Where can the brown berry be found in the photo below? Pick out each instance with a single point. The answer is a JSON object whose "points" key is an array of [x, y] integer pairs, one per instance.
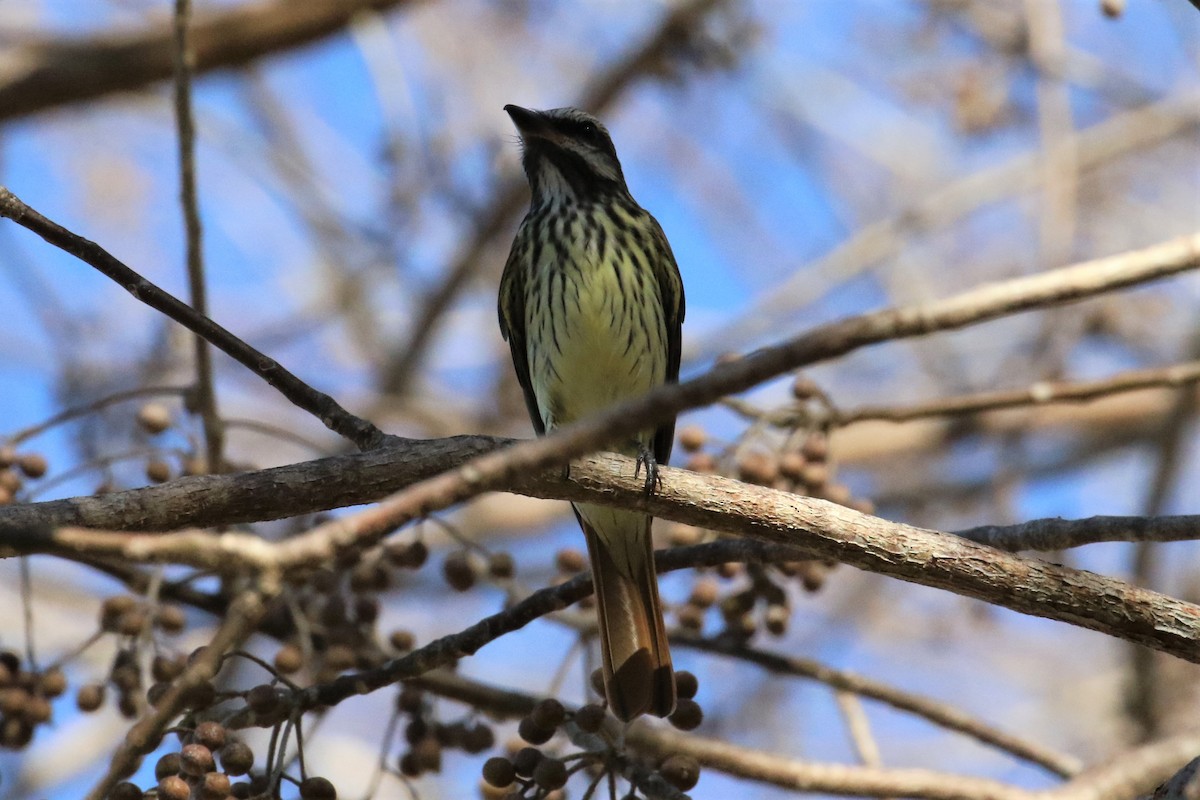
{"points": [[402, 640], [236, 758], [1112, 8], [289, 659], [173, 787], [125, 791], [210, 734], [154, 418], [339, 657], [816, 447], [755, 466], [690, 617], [15, 733], [458, 571], [216, 786], [52, 683], [410, 700], [37, 710], [692, 438], [133, 623], [814, 476], [166, 668], [777, 619], [589, 718], [113, 608], [687, 715], [705, 592], [550, 773], [170, 619], [682, 772], [804, 388], [13, 701], [10, 480], [569, 560], [409, 766], [501, 566], [158, 471], [499, 772], [200, 696], [317, 788], [705, 463], [33, 465], [478, 737], [791, 465], [533, 733], [548, 714], [90, 697], [263, 698], [428, 754], [195, 760], [686, 684], [167, 765], [682, 535], [526, 761]]}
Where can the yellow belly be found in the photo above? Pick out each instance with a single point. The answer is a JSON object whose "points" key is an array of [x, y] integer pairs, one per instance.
{"points": [[600, 337]]}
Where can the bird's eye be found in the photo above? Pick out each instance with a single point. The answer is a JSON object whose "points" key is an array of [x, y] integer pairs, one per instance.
{"points": [[588, 129]]}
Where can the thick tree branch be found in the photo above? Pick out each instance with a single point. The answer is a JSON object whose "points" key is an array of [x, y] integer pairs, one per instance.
{"points": [[50, 73], [817, 527]]}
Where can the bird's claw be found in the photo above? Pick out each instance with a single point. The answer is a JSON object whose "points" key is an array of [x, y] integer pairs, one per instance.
{"points": [[646, 458]]}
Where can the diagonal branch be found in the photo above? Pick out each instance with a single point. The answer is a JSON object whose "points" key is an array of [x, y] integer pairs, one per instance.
{"points": [[360, 431]]}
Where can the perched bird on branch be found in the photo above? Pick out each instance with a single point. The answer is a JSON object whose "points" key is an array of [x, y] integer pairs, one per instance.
{"points": [[591, 303]]}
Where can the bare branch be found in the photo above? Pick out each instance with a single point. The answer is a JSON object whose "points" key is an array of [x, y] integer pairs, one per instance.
{"points": [[240, 621], [321, 405], [57, 72], [935, 711], [1041, 393], [206, 398]]}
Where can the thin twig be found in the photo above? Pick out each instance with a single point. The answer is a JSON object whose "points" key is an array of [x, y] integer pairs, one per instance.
{"points": [[205, 394], [84, 409], [1041, 393], [941, 714], [243, 617]]}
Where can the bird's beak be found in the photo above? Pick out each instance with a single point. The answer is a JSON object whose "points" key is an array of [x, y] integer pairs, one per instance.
{"points": [[529, 123]]}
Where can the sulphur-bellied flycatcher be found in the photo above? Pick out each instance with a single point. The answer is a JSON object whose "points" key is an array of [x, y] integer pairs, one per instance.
{"points": [[591, 304]]}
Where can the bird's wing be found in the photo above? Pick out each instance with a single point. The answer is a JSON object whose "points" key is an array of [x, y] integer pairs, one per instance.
{"points": [[670, 290], [512, 326]]}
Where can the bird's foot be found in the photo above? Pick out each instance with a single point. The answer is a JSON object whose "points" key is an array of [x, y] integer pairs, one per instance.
{"points": [[645, 458]]}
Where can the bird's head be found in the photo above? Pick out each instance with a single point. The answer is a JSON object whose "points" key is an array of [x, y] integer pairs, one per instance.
{"points": [[568, 154]]}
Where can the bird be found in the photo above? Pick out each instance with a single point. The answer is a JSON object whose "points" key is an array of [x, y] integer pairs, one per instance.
{"points": [[591, 303]]}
